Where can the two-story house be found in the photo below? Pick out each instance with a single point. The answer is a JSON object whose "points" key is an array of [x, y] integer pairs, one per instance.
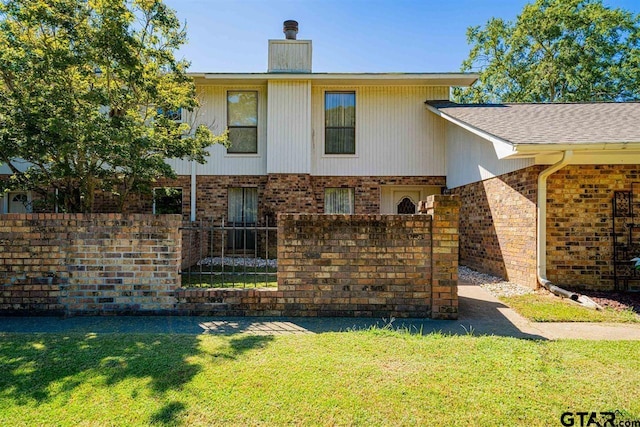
{"points": [[316, 142], [547, 190]]}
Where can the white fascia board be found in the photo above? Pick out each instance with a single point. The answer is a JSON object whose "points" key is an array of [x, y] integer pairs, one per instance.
{"points": [[503, 148], [426, 79], [535, 149]]}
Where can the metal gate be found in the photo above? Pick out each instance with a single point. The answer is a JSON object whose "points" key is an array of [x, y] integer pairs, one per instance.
{"points": [[220, 254], [626, 238]]}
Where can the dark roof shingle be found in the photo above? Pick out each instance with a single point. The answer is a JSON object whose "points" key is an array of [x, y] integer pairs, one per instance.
{"points": [[575, 123]]}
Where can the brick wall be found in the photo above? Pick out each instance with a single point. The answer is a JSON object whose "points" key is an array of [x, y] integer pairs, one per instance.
{"points": [[580, 223], [367, 188], [293, 193], [498, 225], [348, 265], [143, 203], [32, 266], [196, 243], [96, 263], [353, 265]]}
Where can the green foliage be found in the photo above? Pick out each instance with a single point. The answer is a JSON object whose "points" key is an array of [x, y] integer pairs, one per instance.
{"points": [[83, 88], [238, 277], [556, 51]]}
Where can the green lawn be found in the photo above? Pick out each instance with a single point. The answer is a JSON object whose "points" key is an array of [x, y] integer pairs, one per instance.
{"points": [[238, 278], [548, 308], [353, 378]]}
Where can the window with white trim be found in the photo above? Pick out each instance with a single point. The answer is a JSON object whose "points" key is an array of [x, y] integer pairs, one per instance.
{"points": [[167, 200], [243, 214], [340, 123], [242, 121], [339, 201]]}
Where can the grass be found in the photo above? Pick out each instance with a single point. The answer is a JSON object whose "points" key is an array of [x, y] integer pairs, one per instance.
{"points": [[230, 279], [374, 377], [548, 308]]}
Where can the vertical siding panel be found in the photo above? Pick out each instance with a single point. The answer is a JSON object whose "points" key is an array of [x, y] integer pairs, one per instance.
{"points": [[395, 135], [213, 113], [289, 127], [471, 158]]}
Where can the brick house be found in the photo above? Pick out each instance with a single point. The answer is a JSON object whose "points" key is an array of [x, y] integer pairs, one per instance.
{"points": [[537, 184], [363, 143], [305, 142]]}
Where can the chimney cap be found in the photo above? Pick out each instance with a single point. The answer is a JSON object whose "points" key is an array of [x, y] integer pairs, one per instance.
{"points": [[290, 29]]}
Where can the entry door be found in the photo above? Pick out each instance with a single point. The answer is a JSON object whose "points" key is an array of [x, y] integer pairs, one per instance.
{"points": [[404, 199], [18, 203], [406, 202]]}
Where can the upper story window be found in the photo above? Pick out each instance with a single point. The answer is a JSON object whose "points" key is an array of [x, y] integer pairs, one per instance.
{"points": [[340, 123], [242, 121]]}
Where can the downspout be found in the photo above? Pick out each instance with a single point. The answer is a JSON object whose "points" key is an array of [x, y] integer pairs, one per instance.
{"points": [[193, 191], [541, 257]]}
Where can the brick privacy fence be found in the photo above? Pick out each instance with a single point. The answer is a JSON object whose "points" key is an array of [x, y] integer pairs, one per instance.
{"points": [[98, 263], [358, 265], [353, 265]]}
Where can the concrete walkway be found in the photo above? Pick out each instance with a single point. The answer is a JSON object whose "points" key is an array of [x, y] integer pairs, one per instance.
{"points": [[480, 314]]}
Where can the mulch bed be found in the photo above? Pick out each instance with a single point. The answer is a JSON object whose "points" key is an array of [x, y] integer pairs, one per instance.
{"points": [[616, 300]]}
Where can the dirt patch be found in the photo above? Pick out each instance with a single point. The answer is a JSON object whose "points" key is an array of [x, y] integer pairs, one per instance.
{"points": [[616, 300]]}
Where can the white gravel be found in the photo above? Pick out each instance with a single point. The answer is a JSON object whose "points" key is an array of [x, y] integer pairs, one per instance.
{"points": [[239, 262], [496, 286]]}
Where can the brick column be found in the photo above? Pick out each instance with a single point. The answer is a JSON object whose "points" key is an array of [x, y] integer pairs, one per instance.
{"points": [[445, 212]]}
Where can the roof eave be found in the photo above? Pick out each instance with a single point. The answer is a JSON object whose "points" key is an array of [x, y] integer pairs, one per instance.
{"points": [[427, 79], [504, 149]]}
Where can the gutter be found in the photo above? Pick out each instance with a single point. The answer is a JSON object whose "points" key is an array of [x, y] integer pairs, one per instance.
{"points": [[541, 249], [192, 215]]}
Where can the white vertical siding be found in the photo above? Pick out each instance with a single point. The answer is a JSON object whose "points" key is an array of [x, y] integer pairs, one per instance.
{"points": [[213, 113], [289, 127], [471, 158], [395, 134]]}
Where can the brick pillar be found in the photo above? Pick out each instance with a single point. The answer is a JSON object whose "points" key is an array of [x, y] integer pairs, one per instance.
{"points": [[445, 211]]}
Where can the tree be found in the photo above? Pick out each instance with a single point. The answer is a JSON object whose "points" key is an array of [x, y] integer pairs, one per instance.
{"points": [[89, 91], [556, 51]]}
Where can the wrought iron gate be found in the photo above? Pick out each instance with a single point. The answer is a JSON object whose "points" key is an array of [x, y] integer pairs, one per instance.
{"points": [[626, 238], [220, 254]]}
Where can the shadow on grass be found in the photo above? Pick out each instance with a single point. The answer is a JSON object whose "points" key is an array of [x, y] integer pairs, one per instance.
{"points": [[168, 414], [40, 367]]}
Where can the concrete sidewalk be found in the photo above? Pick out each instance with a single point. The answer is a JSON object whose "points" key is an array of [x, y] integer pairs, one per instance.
{"points": [[480, 314]]}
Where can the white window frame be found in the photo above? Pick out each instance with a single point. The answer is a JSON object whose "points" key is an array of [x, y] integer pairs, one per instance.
{"points": [[355, 125], [352, 202], [153, 208], [257, 126]]}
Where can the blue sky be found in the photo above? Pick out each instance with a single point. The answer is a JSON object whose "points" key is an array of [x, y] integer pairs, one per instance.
{"points": [[348, 35]]}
